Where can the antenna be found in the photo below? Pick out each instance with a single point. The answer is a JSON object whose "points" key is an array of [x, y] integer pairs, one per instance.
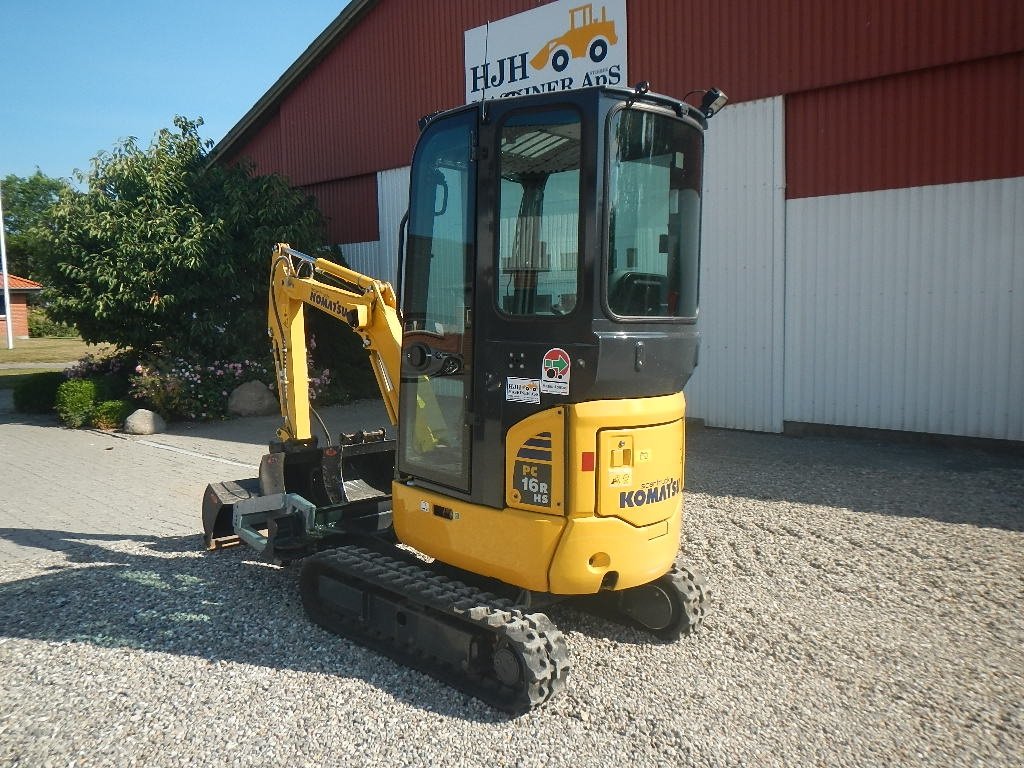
{"points": [[487, 72]]}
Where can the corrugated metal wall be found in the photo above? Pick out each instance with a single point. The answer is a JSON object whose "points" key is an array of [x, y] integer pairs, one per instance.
{"points": [[392, 202], [379, 257], [738, 383], [961, 122], [905, 309], [350, 206], [758, 48], [265, 150], [355, 112]]}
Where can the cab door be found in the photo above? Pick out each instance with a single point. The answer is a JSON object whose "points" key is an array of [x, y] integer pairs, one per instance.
{"points": [[531, 315], [435, 395]]}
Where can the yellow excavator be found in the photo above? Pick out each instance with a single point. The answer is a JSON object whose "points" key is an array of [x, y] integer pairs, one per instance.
{"points": [[532, 362]]}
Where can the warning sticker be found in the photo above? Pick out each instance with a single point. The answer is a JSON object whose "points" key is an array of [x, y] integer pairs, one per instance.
{"points": [[555, 371], [522, 390]]}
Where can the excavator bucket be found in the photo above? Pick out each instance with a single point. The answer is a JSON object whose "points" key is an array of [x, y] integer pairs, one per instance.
{"points": [[218, 506], [357, 471], [366, 463]]}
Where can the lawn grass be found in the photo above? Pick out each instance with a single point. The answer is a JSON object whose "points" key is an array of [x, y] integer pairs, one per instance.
{"points": [[55, 351], [48, 350]]}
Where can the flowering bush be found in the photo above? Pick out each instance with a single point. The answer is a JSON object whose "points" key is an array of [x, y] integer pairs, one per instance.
{"points": [[318, 382], [182, 389], [109, 372], [92, 366]]}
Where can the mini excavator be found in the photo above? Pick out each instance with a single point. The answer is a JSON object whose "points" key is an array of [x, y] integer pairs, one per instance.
{"points": [[532, 363]]}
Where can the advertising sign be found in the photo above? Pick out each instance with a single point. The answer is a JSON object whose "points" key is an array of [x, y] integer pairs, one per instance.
{"points": [[556, 47]]}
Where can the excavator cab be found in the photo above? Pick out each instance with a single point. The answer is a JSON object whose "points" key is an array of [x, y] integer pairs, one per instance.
{"points": [[559, 278]]}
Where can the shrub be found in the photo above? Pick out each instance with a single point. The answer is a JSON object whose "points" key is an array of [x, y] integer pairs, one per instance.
{"points": [[142, 255], [75, 401], [96, 365], [335, 347], [189, 390], [40, 325], [112, 372], [110, 414], [37, 392]]}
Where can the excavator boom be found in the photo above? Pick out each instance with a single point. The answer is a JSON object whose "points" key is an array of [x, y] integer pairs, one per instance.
{"points": [[368, 306]]}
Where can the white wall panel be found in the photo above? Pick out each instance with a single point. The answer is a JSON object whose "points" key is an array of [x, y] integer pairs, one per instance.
{"points": [[380, 258], [905, 309], [364, 257], [392, 203], [738, 382]]}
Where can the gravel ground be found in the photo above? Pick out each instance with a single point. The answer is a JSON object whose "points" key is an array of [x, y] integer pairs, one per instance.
{"points": [[866, 612]]}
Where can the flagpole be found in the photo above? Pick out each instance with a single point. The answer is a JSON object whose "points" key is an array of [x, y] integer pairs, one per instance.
{"points": [[6, 277]]}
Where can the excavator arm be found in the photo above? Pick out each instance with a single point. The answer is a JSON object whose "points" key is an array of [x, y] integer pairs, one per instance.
{"points": [[307, 494], [368, 306]]}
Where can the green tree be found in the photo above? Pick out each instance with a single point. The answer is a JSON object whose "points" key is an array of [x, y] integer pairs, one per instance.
{"points": [[26, 203], [166, 253]]}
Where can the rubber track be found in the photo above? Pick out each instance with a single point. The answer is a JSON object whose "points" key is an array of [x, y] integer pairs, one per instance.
{"points": [[495, 622], [693, 595], [684, 586]]}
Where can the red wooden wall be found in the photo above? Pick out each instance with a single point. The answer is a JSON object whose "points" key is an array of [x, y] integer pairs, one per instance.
{"points": [[879, 93]]}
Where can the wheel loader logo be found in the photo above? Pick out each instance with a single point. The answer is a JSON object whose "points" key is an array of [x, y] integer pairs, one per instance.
{"points": [[586, 36]]}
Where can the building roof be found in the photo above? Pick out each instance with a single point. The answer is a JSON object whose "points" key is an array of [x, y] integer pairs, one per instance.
{"points": [[16, 283], [264, 108]]}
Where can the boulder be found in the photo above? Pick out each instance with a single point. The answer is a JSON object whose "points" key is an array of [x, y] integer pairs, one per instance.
{"points": [[144, 422], [253, 398]]}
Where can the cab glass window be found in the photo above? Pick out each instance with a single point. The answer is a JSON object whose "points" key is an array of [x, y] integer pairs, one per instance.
{"points": [[539, 213], [654, 215]]}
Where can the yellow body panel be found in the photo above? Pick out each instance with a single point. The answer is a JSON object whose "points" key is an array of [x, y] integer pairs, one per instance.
{"points": [[640, 472], [586, 529], [592, 547], [507, 544], [588, 420]]}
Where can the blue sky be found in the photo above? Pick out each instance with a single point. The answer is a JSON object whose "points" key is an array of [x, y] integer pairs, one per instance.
{"points": [[77, 76]]}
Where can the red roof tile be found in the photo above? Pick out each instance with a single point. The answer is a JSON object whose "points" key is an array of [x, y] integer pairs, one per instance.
{"points": [[22, 283]]}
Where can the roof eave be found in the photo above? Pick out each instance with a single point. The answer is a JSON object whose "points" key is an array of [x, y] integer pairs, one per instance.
{"points": [[261, 110]]}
